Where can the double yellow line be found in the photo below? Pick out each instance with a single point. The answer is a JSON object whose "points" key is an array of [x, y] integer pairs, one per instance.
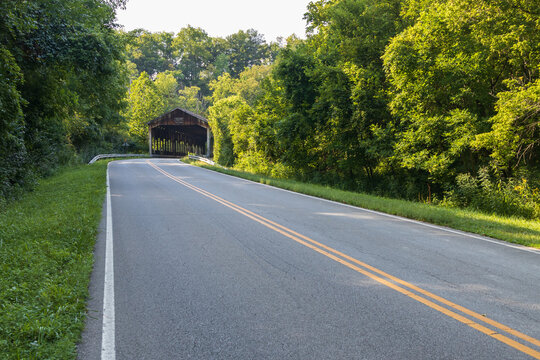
{"points": [[425, 297]]}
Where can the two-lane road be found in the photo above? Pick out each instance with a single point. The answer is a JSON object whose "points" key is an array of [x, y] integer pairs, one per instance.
{"points": [[207, 266]]}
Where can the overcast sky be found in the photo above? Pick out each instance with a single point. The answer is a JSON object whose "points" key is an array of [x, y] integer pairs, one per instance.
{"points": [[272, 18]]}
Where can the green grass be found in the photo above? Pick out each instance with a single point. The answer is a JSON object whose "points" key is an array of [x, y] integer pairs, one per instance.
{"points": [[515, 230], [46, 255]]}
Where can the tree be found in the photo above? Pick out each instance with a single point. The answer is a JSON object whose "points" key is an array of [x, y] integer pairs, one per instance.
{"points": [[245, 49], [515, 134], [151, 52], [193, 53], [296, 129], [12, 148], [190, 99], [144, 104], [336, 88], [247, 85], [57, 47], [218, 118], [167, 88], [235, 121], [353, 90], [447, 71]]}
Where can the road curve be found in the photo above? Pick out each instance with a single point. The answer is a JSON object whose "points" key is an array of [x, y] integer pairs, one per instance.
{"points": [[208, 266]]}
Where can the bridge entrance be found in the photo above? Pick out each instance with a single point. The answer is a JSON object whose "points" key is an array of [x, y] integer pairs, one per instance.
{"points": [[179, 132]]}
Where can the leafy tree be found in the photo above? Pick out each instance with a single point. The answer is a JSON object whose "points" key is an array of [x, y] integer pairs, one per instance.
{"points": [[223, 87], [247, 85], [190, 99], [296, 129], [167, 88], [515, 134], [337, 91], [150, 52], [354, 90], [132, 71], [218, 118], [144, 104], [58, 46], [245, 49], [234, 118], [448, 70], [193, 53], [12, 148], [220, 66]]}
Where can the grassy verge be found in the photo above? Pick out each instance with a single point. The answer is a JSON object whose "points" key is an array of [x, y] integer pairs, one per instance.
{"points": [[46, 256], [515, 230]]}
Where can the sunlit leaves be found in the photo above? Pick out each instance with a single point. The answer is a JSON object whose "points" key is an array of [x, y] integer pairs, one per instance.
{"points": [[515, 136], [460, 57], [144, 104]]}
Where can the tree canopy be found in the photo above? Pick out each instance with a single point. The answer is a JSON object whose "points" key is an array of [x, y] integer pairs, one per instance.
{"points": [[62, 83]]}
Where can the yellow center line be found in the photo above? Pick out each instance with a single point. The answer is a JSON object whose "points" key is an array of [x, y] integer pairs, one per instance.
{"points": [[393, 278], [327, 251]]}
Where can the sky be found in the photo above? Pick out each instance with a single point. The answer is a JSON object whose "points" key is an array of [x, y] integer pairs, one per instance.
{"points": [[272, 18]]}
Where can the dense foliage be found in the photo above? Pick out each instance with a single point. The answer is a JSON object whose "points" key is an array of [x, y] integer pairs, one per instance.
{"points": [[430, 100], [61, 84]]}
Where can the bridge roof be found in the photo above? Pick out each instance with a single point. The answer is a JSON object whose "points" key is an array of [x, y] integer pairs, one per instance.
{"points": [[179, 116]]}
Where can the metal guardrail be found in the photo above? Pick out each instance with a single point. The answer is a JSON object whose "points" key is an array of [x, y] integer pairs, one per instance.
{"points": [[104, 156], [203, 159]]}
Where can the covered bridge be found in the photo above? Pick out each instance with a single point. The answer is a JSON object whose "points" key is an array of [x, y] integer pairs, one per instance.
{"points": [[179, 132]]}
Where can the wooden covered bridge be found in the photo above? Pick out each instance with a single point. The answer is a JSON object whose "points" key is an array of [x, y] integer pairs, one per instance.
{"points": [[179, 132]]}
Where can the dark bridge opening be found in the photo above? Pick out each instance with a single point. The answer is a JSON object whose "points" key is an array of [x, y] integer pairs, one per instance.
{"points": [[178, 133]]}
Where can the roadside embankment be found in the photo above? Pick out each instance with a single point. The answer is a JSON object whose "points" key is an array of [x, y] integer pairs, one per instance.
{"points": [[511, 229], [46, 255]]}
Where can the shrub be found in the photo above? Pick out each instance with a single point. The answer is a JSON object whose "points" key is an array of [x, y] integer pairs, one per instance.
{"points": [[514, 196]]}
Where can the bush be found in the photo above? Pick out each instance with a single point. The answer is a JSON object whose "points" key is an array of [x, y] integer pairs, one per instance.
{"points": [[511, 197]]}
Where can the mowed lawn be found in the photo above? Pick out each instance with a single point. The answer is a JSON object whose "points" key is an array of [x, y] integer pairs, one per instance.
{"points": [[46, 255]]}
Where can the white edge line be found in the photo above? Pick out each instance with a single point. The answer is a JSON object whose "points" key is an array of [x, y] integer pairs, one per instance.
{"points": [[459, 232], [108, 350]]}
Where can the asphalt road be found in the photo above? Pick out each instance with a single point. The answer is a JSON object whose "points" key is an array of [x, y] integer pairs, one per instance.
{"points": [[207, 266]]}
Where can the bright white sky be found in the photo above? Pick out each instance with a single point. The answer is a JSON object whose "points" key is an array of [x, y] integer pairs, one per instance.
{"points": [[218, 18]]}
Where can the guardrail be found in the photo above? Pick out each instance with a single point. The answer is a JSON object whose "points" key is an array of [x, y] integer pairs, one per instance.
{"points": [[104, 156], [203, 159]]}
